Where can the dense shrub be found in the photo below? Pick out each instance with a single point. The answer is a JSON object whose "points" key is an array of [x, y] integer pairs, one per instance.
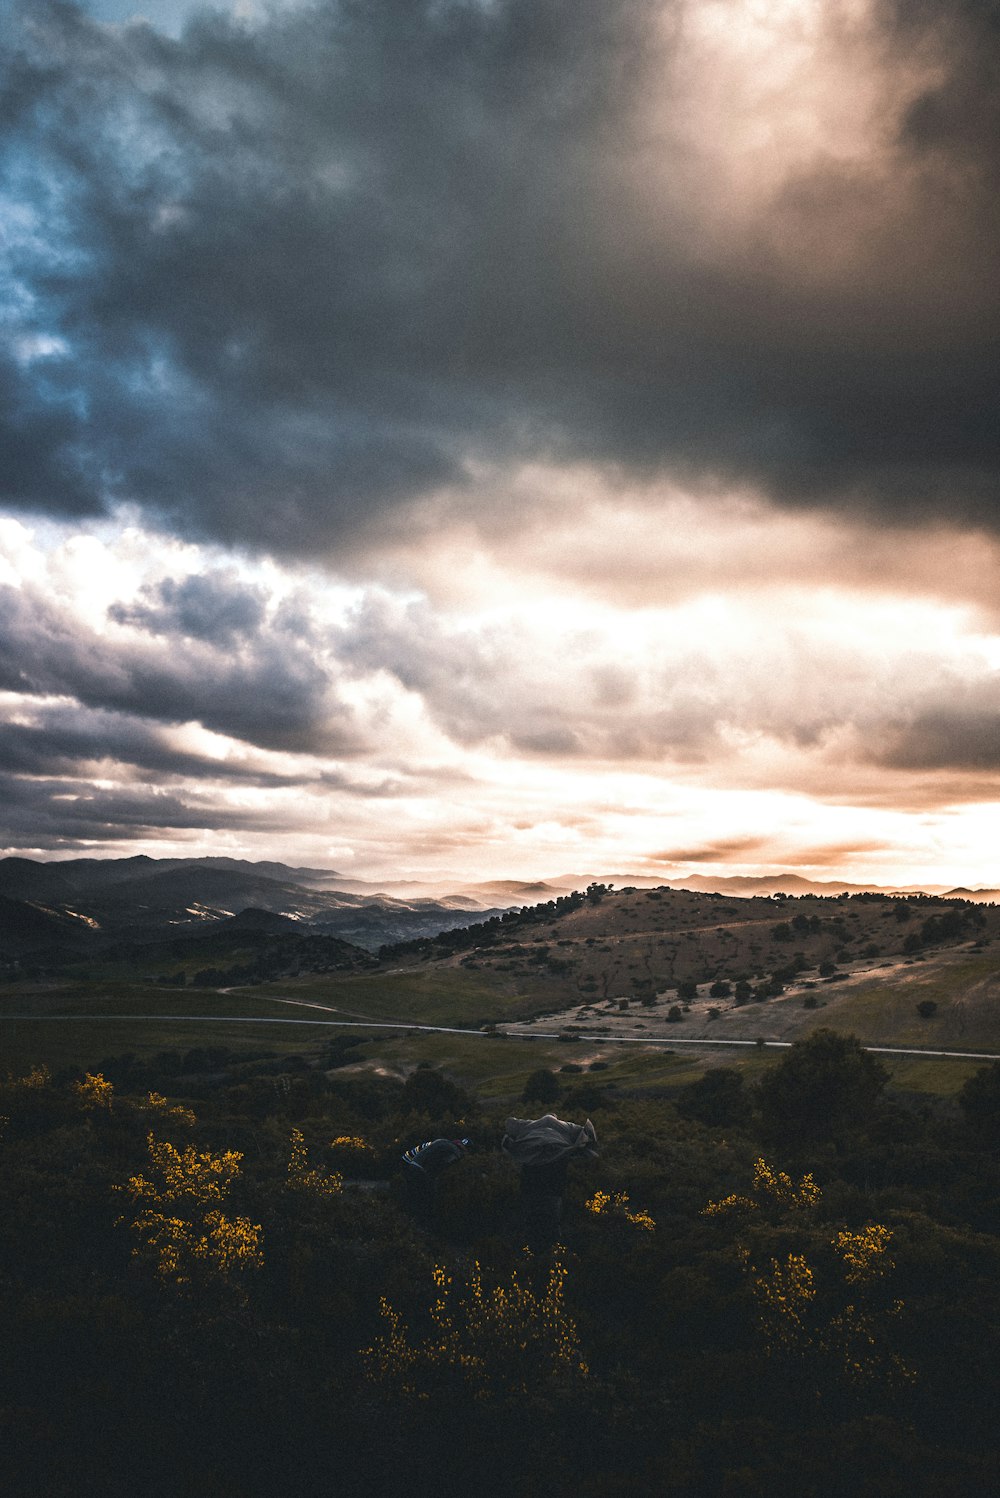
{"points": [[803, 1299]]}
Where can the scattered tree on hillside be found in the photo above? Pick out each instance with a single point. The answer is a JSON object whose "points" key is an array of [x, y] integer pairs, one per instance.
{"points": [[979, 1100], [542, 1086], [718, 1099], [429, 1091], [822, 1088]]}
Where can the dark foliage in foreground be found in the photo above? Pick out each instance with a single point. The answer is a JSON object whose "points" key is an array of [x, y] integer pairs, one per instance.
{"points": [[814, 1337]]}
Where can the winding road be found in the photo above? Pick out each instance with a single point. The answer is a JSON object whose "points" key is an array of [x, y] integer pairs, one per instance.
{"points": [[511, 1033]]}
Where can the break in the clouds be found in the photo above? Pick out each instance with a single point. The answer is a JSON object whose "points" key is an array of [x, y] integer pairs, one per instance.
{"points": [[502, 435], [154, 696]]}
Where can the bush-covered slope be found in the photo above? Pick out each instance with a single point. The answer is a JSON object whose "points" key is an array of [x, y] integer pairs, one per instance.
{"points": [[784, 1289]]}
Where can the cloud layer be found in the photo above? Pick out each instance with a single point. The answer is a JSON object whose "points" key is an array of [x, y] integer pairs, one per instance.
{"points": [[502, 435], [274, 280], [151, 695]]}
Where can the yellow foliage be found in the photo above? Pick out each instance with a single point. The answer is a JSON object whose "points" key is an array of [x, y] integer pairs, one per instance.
{"points": [[37, 1078], [864, 1254], [781, 1188], [223, 1245], [193, 1234], [231, 1243], [351, 1142], [783, 1295], [731, 1203], [157, 1103], [854, 1334], [769, 1186], [843, 1324], [303, 1178], [184, 1175], [94, 1091], [604, 1204], [500, 1341]]}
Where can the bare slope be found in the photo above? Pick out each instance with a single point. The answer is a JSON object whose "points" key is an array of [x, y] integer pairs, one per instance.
{"points": [[632, 943], [692, 964]]}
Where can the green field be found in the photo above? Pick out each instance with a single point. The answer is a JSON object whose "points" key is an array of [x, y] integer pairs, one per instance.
{"points": [[884, 1012], [430, 995], [82, 1023]]}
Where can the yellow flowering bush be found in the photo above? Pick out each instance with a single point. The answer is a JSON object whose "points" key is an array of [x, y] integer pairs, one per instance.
{"points": [[303, 1177], [157, 1103], [186, 1175], [833, 1314], [351, 1154], [853, 1334], [770, 1186], [864, 1254], [498, 1341], [94, 1091], [617, 1205], [33, 1081], [178, 1221], [783, 1294], [850, 1328]]}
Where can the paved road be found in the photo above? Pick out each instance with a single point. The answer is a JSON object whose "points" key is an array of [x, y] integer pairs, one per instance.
{"points": [[668, 1042], [239, 1019]]}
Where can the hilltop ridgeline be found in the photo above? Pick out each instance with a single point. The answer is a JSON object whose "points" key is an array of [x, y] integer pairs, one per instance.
{"points": [[223, 921], [601, 943]]}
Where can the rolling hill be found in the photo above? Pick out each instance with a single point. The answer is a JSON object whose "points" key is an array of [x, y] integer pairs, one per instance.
{"points": [[143, 898]]}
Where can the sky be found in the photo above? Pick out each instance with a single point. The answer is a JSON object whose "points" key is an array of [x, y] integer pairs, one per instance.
{"points": [[462, 439]]}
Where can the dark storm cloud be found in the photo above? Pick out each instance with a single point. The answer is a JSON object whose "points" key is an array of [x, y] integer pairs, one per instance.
{"points": [[947, 738], [272, 692], [44, 462], [307, 270], [72, 741], [216, 608], [54, 814]]}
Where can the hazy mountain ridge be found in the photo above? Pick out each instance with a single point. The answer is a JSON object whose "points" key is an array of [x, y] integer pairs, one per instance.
{"points": [[747, 884], [56, 911]]}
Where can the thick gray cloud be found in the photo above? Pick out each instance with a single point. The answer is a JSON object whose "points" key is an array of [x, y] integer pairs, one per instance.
{"points": [[217, 608], [390, 681], [55, 814], [946, 737], [273, 281], [272, 691], [70, 741], [669, 696]]}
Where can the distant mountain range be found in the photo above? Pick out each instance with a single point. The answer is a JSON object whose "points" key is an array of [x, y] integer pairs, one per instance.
{"points": [[750, 885], [59, 910], [793, 884], [56, 911]]}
